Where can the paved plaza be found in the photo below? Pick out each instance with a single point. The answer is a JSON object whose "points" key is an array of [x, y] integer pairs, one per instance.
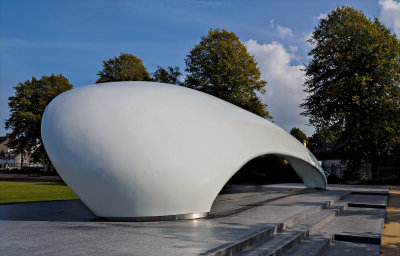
{"points": [[277, 219]]}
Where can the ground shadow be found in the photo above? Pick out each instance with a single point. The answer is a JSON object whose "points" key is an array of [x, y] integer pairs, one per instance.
{"points": [[63, 210]]}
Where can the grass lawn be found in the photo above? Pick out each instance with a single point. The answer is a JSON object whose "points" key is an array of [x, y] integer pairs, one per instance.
{"points": [[22, 190]]}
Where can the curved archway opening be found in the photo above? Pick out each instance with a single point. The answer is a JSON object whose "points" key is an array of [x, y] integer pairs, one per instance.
{"points": [[247, 187], [263, 170]]}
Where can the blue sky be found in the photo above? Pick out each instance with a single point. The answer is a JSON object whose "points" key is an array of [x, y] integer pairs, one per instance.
{"points": [[73, 37]]}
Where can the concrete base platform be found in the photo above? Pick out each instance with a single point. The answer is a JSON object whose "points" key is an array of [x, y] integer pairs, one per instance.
{"points": [[241, 217]]}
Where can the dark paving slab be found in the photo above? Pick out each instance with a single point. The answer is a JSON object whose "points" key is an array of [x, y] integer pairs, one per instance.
{"points": [[367, 199], [68, 210], [351, 249], [360, 188], [359, 222]]}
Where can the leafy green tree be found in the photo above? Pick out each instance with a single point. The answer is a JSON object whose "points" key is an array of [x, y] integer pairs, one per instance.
{"points": [[221, 66], [352, 82], [298, 134], [322, 137], [26, 111], [126, 67], [170, 75]]}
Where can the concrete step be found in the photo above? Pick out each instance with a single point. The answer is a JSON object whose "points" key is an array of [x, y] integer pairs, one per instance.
{"points": [[279, 238], [322, 218], [357, 222], [246, 241], [280, 243], [298, 234], [358, 230], [316, 244], [334, 206], [313, 246]]}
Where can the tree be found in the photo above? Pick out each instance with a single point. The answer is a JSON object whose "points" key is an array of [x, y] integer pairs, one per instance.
{"points": [[221, 66], [169, 76], [299, 134], [322, 137], [352, 82], [126, 67], [26, 111]]}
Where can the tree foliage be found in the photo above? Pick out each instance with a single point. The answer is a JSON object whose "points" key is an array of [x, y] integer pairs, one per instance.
{"points": [[323, 137], [353, 82], [298, 134], [26, 110], [126, 67], [170, 75], [221, 66]]}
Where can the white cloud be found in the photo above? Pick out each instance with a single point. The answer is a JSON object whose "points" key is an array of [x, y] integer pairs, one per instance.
{"points": [[316, 20], [307, 37], [293, 48], [284, 31], [320, 17], [284, 88], [272, 23], [390, 14]]}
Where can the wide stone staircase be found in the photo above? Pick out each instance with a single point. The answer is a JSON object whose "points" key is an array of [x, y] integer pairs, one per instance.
{"points": [[349, 225]]}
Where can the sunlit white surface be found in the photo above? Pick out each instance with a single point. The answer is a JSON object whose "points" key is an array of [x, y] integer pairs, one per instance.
{"points": [[131, 149]]}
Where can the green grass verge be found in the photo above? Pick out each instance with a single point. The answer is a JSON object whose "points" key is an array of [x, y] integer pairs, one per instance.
{"points": [[22, 190]]}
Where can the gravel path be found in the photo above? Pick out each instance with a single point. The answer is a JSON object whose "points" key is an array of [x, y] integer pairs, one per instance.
{"points": [[391, 231]]}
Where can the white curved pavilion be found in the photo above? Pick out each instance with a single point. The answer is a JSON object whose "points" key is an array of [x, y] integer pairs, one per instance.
{"points": [[145, 150]]}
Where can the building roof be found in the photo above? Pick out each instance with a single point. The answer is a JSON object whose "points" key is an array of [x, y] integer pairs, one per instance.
{"points": [[330, 151]]}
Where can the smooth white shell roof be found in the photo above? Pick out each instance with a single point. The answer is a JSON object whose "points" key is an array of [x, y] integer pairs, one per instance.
{"points": [[133, 149]]}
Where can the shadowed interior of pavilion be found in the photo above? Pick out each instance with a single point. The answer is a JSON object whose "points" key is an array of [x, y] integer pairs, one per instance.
{"points": [[266, 169], [246, 189]]}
